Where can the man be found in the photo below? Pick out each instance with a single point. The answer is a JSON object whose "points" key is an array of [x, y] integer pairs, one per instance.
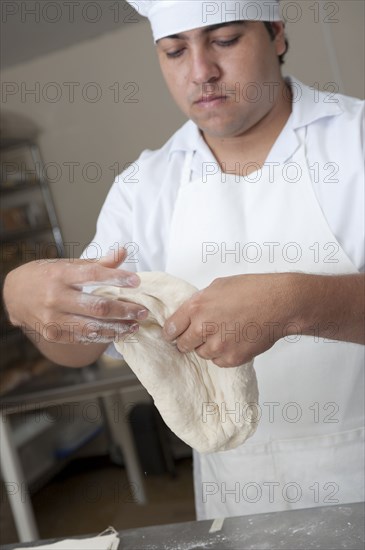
{"points": [[257, 203]]}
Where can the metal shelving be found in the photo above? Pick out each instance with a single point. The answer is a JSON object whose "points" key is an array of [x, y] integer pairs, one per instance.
{"points": [[29, 230]]}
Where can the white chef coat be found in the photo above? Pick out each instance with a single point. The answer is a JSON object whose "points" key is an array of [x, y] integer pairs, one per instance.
{"points": [[297, 450], [139, 206]]}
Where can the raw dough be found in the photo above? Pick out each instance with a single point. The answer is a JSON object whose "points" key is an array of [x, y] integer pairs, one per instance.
{"points": [[208, 407]]}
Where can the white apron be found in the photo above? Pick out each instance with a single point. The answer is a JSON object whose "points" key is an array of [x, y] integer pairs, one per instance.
{"points": [[309, 447]]}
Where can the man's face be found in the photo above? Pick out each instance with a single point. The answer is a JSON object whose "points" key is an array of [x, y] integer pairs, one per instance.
{"points": [[225, 78]]}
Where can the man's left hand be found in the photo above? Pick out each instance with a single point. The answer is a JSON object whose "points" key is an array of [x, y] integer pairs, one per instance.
{"points": [[235, 318]]}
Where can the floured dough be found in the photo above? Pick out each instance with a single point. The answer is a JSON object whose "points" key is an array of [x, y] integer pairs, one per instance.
{"points": [[208, 407]]}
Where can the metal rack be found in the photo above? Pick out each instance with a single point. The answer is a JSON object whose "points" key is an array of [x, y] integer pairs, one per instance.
{"points": [[23, 198]]}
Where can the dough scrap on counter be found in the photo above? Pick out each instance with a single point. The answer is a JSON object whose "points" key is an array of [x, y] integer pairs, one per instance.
{"points": [[196, 399]]}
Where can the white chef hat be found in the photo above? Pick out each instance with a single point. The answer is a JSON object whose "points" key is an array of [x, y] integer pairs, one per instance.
{"points": [[169, 17]]}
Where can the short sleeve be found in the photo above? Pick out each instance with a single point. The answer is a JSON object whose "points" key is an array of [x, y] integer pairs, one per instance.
{"points": [[115, 222], [336, 160]]}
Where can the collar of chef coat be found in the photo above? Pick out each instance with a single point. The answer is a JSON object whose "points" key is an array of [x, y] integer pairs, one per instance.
{"points": [[309, 105]]}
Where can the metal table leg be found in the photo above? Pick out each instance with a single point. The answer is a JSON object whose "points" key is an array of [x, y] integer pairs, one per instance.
{"points": [[122, 435], [15, 483]]}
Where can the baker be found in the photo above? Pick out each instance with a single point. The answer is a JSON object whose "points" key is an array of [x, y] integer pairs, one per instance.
{"points": [[257, 201]]}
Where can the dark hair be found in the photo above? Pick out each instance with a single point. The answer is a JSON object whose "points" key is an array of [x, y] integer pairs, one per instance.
{"points": [[271, 32]]}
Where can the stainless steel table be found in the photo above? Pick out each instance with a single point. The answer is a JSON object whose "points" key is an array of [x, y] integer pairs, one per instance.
{"points": [[323, 528], [64, 385]]}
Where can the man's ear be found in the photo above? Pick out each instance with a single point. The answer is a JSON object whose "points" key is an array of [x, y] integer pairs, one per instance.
{"points": [[278, 28]]}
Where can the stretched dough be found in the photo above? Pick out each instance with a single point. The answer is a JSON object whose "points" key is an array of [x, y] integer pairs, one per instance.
{"points": [[208, 407]]}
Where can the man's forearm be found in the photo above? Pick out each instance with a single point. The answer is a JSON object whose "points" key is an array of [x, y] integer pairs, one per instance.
{"points": [[67, 355], [330, 306]]}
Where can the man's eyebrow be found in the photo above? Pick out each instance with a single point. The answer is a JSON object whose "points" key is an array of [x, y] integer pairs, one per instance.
{"points": [[206, 30]]}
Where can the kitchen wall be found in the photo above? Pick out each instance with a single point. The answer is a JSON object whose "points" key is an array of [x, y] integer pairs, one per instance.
{"points": [[101, 102]]}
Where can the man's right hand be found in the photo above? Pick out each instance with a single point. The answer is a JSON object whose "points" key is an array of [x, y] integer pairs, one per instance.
{"points": [[46, 299]]}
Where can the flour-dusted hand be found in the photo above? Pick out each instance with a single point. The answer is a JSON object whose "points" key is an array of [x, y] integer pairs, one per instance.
{"points": [[234, 319], [46, 299]]}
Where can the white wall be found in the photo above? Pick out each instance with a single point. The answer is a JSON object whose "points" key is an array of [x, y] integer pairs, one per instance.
{"points": [[327, 43], [109, 132]]}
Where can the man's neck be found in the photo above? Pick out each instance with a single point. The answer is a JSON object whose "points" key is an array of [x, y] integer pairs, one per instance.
{"points": [[247, 152]]}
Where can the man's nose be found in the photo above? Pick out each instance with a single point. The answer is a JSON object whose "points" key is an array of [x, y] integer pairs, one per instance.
{"points": [[203, 67]]}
